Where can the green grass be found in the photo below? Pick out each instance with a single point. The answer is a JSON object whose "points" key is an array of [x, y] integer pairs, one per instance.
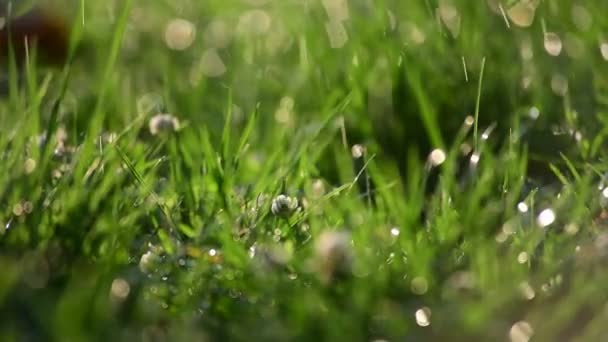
{"points": [[111, 232]]}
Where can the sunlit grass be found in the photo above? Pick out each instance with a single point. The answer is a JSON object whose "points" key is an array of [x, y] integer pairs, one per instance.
{"points": [[299, 170]]}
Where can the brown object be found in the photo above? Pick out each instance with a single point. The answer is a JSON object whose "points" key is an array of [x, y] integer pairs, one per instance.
{"points": [[41, 28]]}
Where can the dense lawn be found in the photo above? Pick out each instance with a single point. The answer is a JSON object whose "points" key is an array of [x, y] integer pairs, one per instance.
{"points": [[337, 170]]}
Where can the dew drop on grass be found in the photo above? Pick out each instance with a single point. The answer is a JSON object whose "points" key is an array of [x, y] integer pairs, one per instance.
{"points": [[419, 285], [526, 51], [485, 135], [522, 258], [546, 217], [437, 157], [29, 166], [423, 316], [179, 34], [534, 113], [553, 43], [501, 237], [559, 84], [414, 34], [475, 158], [522, 207], [604, 50], [218, 34], [357, 151], [318, 188], [119, 291], [18, 209], [522, 13], [210, 65], [450, 16], [254, 22], [521, 332], [571, 228], [526, 290]]}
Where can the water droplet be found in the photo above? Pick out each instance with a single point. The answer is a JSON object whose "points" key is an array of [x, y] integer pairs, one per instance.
{"points": [[163, 124], [437, 157], [179, 34], [501, 237], [604, 50], [120, 289], [469, 120], [254, 22], [28, 207], [29, 166], [210, 65], [522, 13], [546, 217], [357, 151], [475, 158], [283, 115], [534, 113], [521, 332], [18, 209], [559, 84], [449, 16], [571, 229], [415, 35], [553, 44], [527, 291], [423, 316], [522, 258], [218, 34], [419, 285], [522, 207], [526, 51]]}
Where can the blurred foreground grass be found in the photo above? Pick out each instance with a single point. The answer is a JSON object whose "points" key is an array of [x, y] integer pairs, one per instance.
{"points": [[121, 224]]}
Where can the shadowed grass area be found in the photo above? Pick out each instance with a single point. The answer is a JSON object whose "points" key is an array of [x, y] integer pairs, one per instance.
{"points": [[302, 169]]}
